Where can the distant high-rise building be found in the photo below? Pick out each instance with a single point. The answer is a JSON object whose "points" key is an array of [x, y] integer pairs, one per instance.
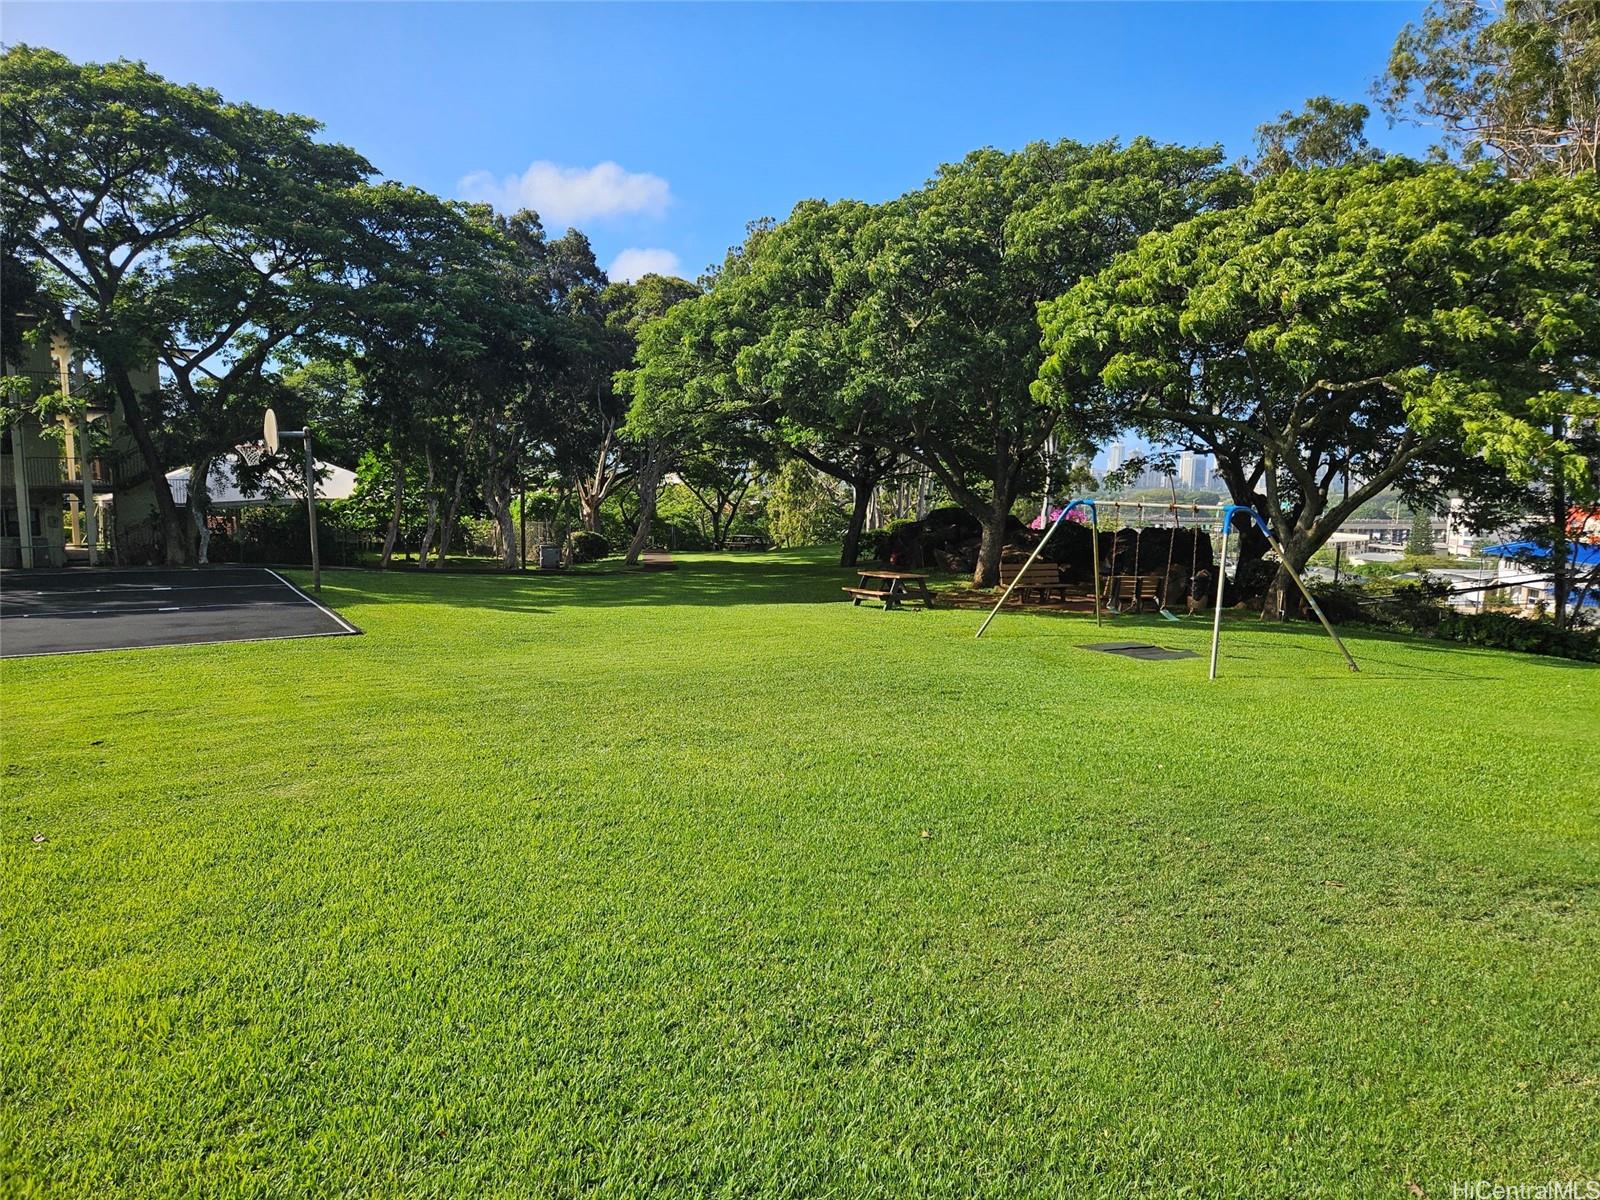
{"points": [[1116, 455], [1191, 469]]}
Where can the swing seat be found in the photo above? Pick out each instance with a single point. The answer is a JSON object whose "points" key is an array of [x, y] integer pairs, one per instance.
{"points": [[1135, 591]]}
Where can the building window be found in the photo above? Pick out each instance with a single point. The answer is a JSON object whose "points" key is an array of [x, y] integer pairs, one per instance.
{"points": [[8, 522]]}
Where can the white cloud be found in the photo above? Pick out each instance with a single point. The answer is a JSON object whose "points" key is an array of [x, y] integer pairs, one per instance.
{"points": [[635, 262], [571, 195]]}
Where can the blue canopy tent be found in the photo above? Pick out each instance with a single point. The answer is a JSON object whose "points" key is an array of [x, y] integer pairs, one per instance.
{"points": [[1579, 555]]}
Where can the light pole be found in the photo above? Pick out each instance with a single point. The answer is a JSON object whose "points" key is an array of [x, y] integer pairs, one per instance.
{"points": [[274, 437]]}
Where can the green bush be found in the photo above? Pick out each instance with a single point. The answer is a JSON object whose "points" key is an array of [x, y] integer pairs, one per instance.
{"points": [[1420, 608], [1340, 603], [587, 546], [1506, 632]]}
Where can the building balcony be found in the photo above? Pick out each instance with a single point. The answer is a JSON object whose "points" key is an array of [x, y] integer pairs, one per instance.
{"points": [[54, 473]]}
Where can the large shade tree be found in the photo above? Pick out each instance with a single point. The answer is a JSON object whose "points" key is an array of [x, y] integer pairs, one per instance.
{"points": [[630, 307], [176, 226], [430, 328], [1516, 82], [956, 272], [795, 303], [1349, 331]]}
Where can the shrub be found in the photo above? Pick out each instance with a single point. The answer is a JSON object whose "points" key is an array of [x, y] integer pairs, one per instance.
{"points": [[1505, 632], [585, 546], [1420, 608], [1340, 603], [1416, 606]]}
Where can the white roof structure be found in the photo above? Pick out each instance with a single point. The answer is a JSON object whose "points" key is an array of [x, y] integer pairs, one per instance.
{"points": [[281, 486]]}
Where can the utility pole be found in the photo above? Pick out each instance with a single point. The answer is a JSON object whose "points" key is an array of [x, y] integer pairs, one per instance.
{"points": [[274, 438]]}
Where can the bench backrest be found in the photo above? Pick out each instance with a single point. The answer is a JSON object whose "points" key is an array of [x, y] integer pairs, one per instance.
{"points": [[1038, 572]]}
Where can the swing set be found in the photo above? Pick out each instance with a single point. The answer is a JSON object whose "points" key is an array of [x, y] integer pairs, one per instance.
{"points": [[1114, 590]]}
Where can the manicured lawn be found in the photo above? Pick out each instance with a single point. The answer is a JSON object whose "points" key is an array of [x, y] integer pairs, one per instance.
{"points": [[705, 883]]}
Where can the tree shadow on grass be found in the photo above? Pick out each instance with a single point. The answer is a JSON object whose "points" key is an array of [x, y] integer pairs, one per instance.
{"points": [[1366, 645], [716, 582]]}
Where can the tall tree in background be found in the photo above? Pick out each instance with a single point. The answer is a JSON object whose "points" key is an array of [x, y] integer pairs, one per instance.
{"points": [[146, 203], [630, 308], [1324, 133], [799, 294], [957, 271], [580, 415], [685, 395], [1419, 543], [422, 323], [1517, 82]]}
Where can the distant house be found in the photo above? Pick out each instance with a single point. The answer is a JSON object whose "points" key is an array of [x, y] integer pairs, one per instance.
{"points": [[279, 486], [1522, 575], [79, 474]]}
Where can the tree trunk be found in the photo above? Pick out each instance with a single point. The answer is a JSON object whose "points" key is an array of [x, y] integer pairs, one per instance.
{"points": [[508, 535], [1558, 542], [432, 500], [497, 492], [649, 484], [994, 538], [851, 550], [200, 507], [1297, 553], [177, 549], [392, 534], [447, 530]]}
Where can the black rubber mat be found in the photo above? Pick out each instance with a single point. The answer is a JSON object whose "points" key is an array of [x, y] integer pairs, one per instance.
{"points": [[1140, 650]]}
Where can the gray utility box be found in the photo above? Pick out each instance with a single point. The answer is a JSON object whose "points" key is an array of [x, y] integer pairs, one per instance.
{"points": [[549, 558]]}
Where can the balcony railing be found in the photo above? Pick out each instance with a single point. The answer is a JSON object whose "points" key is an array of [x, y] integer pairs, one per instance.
{"points": [[43, 472]]}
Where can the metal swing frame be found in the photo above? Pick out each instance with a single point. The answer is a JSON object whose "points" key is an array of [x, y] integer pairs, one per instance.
{"points": [[1228, 512]]}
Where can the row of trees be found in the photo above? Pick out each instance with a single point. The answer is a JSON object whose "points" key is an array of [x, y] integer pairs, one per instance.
{"points": [[257, 266], [1327, 323]]}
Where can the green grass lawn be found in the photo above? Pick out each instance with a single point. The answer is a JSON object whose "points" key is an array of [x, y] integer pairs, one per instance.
{"points": [[704, 883]]}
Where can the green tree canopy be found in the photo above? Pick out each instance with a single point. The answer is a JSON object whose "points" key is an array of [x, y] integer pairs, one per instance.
{"points": [[1324, 133], [175, 225], [1518, 82], [1375, 324]]}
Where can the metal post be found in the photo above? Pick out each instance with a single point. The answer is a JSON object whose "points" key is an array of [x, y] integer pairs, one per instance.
{"points": [[91, 516], [1312, 601], [1094, 557], [1048, 534], [311, 513], [1222, 576]]}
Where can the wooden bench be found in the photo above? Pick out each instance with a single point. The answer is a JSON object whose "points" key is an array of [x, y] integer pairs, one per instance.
{"points": [[1041, 579]]}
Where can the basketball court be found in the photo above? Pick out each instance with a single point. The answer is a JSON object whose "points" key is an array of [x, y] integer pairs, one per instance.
{"points": [[75, 610]]}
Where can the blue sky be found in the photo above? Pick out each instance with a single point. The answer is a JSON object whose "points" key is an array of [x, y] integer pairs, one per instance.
{"points": [[662, 129]]}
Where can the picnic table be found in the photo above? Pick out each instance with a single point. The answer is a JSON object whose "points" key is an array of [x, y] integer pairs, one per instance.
{"points": [[892, 588]]}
